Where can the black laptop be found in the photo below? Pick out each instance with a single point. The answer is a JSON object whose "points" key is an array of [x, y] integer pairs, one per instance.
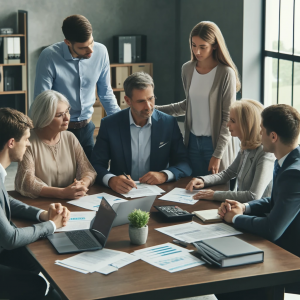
{"points": [[88, 239]]}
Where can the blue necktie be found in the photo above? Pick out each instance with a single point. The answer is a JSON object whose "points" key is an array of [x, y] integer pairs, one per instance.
{"points": [[276, 169]]}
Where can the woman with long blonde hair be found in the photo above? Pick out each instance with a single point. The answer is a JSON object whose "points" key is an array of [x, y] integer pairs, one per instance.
{"points": [[253, 168], [211, 81]]}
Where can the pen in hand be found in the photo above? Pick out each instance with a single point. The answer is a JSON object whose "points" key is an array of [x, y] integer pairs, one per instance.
{"points": [[129, 178]]}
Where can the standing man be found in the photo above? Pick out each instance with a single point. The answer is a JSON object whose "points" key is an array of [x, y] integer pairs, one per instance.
{"points": [[74, 67], [19, 277]]}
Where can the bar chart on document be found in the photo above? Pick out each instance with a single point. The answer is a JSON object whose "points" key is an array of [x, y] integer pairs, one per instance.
{"points": [[180, 196]]}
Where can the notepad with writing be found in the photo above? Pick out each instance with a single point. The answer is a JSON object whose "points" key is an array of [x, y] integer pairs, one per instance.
{"points": [[228, 252], [208, 216]]}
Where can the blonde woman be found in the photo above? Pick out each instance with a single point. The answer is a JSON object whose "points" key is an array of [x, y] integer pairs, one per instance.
{"points": [[211, 81], [55, 165], [253, 168]]}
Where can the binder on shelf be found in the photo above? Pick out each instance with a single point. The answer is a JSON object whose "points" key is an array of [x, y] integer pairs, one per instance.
{"points": [[97, 115], [121, 74], [17, 50], [127, 53], [24, 79], [141, 68], [1, 79], [123, 103], [228, 252]]}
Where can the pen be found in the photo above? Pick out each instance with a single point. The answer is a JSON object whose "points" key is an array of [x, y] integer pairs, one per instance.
{"points": [[126, 175], [181, 243]]}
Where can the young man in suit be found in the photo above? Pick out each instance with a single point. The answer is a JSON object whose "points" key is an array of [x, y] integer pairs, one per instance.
{"points": [[280, 128], [140, 141], [19, 277]]}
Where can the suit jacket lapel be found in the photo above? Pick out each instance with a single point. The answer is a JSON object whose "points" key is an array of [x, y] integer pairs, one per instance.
{"points": [[6, 199], [248, 163], [155, 138], [124, 127]]}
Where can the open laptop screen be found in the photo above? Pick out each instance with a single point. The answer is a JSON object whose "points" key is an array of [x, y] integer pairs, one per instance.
{"points": [[103, 222]]}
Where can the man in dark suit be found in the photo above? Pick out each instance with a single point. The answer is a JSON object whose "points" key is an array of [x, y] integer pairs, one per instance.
{"points": [[280, 128], [19, 277], [140, 141]]}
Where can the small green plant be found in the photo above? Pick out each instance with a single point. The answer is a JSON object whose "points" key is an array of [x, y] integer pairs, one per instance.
{"points": [[138, 218]]}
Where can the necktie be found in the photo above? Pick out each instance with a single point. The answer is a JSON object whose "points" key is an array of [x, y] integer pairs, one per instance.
{"points": [[276, 169]]}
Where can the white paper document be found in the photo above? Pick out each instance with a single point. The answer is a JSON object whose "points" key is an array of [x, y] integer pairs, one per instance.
{"points": [[92, 261], [144, 190], [169, 257], [193, 232], [92, 202], [107, 270], [72, 268], [78, 220], [126, 260], [180, 196]]}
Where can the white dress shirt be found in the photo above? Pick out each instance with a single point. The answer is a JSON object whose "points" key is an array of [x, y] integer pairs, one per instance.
{"points": [[140, 151]]}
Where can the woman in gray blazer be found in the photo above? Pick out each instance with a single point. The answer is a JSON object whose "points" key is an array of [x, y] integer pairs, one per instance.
{"points": [[210, 81], [253, 168]]}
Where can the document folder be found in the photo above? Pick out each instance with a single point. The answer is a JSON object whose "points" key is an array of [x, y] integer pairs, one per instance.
{"points": [[228, 252]]}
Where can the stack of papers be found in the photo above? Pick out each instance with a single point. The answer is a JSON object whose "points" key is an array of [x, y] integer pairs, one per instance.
{"points": [[169, 257], [144, 190], [92, 202], [103, 261], [78, 220], [193, 232], [180, 196]]}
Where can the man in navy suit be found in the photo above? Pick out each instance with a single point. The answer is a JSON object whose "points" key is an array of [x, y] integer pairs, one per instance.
{"points": [[141, 142], [280, 130]]}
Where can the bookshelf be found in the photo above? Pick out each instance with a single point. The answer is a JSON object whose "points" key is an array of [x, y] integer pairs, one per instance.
{"points": [[118, 74], [18, 72]]}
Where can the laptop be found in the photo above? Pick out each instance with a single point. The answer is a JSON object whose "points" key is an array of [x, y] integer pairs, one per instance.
{"points": [[123, 209], [88, 239]]}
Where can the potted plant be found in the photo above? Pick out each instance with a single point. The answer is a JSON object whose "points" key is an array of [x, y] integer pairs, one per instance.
{"points": [[138, 228]]}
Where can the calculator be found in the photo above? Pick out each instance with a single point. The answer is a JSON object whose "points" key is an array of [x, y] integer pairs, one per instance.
{"points": [[174, 213]]}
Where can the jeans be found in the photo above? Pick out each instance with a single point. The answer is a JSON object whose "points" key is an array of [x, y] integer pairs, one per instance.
{"points": [[85, 138], [200, 151]]}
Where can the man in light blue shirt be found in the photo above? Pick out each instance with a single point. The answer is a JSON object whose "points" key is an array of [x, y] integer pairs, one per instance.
{"points": [[140, 141], [74, 68]]}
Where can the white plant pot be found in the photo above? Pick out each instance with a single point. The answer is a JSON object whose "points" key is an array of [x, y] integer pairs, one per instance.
{"points": [[138, 236]]}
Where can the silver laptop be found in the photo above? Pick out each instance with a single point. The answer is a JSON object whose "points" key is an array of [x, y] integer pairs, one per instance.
{"points": [[123, 209], [88, 239]]}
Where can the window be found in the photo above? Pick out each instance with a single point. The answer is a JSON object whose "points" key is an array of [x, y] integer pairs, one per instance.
{"points": [[282, 52]]}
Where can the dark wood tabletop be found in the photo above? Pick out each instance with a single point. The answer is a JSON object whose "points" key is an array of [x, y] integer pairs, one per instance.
{"points": [[140, 280]]}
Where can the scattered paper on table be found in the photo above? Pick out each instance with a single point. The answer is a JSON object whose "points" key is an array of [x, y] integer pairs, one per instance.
{"points": [[107, 269], [144, 190], [78, 220], [169, 257], [180, 196], [92, 202], [126, 260], [193, 232], [72, 268], [93, 260]]}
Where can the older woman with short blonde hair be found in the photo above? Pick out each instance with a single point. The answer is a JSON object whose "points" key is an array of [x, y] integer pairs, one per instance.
{"points": [[55, 165], [252, 168]]}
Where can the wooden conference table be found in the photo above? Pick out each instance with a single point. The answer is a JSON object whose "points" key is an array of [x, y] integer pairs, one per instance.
{"points": [[140, 280]]}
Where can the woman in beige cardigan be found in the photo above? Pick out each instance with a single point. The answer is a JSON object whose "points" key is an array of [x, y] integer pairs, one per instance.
{"points": [[210, 82], [55, 165], [253, 168]]}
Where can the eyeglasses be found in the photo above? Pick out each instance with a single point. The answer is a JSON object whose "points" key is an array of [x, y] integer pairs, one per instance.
{"points": [[67, 112]]}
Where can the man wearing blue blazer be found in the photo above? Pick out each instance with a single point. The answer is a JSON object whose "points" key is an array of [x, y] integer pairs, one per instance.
{"points": [[141, 142], [19, 277], [280, 130]]}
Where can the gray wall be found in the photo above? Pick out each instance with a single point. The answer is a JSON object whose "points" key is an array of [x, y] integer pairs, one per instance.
{"points": [[155, 18], [167, 24]]}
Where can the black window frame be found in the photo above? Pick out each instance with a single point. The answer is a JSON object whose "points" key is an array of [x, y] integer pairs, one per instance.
{"points": [[279, 56]]}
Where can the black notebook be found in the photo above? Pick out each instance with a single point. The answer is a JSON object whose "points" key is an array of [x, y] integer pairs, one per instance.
{"points": [[228, 251]]}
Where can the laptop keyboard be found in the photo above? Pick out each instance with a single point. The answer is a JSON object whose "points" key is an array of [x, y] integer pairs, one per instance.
{"points": [[81, 239]]}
